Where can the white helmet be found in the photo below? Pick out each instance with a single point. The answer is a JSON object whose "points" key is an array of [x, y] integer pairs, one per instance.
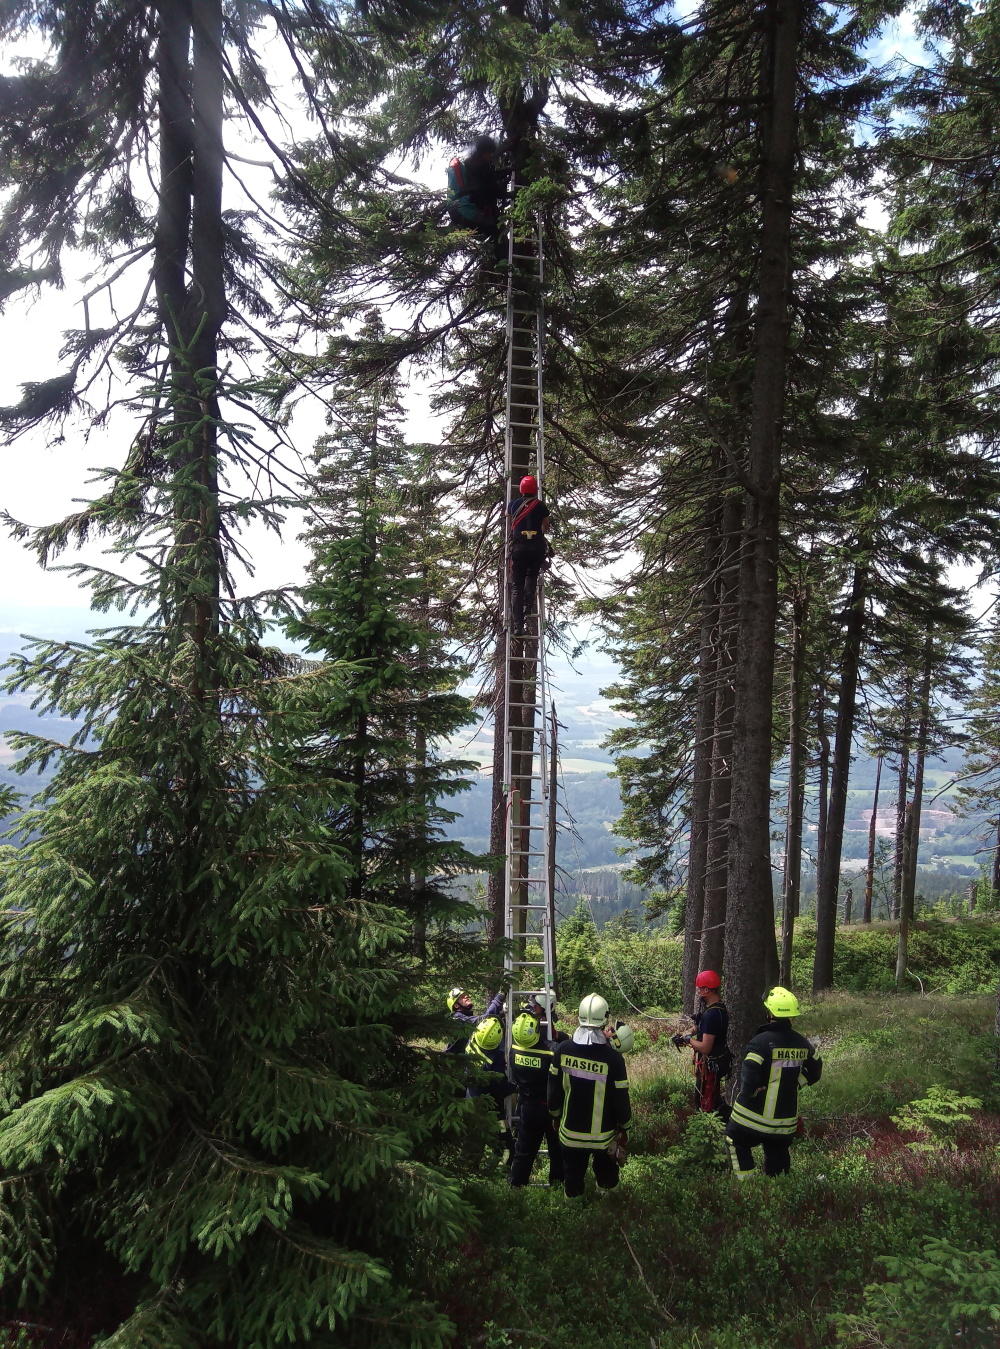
{"points": [[623, 1038], [593, 1010]]}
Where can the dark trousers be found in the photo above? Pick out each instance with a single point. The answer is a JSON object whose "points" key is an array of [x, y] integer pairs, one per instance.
{"points": [[534, 1126], [525, 564], [741, 1143], [606, 1169]]}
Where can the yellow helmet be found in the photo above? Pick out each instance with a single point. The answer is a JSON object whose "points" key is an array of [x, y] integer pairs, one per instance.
{"points": [[524, 1031], [779, 1002], [453, 997], [487, 1034]]}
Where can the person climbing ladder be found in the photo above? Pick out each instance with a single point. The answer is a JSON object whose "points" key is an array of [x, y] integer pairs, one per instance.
{"points": [[529, 523]]}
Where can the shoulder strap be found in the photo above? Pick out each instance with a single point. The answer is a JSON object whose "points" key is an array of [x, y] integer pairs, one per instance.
{"points": [[523, 511]]}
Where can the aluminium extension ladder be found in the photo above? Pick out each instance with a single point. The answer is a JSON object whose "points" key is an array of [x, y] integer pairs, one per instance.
{"points": [[529, 835]]}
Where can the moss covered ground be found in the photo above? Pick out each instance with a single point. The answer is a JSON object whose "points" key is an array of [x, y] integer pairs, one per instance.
{"points": [[682, 1256]]}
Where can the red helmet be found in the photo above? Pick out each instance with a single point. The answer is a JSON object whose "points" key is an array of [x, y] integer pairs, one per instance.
{"points": [[707, 979], [529, 486]]}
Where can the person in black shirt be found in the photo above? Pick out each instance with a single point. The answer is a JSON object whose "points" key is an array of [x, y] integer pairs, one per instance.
{"points": [[530, 1061], [529, 523], [475, 190], [712, 1059]]}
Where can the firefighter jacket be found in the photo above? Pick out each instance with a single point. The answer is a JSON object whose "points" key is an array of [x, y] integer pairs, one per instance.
{"points": [[778, 1060], [490, 1064], [529, 1070], [472, 1020], [588, 1094]]}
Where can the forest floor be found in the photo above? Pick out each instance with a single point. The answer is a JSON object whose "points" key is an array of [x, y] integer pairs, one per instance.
{"points": [[683, 1256]]}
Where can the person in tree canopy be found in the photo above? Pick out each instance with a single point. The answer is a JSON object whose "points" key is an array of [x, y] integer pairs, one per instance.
{"points": [[529, 523], [475, 190], [776, 1062]]}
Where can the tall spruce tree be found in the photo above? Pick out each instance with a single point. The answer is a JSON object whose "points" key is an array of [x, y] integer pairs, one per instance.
{"points": [[214, 1053]]}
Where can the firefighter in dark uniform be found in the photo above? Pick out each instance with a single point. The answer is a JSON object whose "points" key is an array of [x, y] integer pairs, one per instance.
{"points": [[546, 1019], [529, 523], [776, 1063], [712, 1059], [463, 1010], [588, 1095], [530, 1061], [476, 191], [484, 1051]]}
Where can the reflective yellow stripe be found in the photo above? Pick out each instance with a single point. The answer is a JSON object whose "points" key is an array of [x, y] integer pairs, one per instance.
{"points": [[742, 1115], [771, 1099], [734, 1161], [754, 1058], [569, 1139]]}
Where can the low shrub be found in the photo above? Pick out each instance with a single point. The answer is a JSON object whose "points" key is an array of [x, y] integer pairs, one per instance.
{"points": [[945, 957], [937, 1118], [929, 1301]]}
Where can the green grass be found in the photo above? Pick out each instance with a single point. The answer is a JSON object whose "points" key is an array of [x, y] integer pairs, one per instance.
{"points": [[683, 1257]]}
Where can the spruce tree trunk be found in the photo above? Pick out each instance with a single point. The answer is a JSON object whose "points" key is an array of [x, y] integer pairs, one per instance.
{"points": [[189, 234], [420, 876], [872, 839], [823, 797], [701, 771], [912, 842], [901, 794], [717, 862], [207, 294], [498, 802], [176, 150], [995, 883], [828, 874], [796, 793], [750, 906]]}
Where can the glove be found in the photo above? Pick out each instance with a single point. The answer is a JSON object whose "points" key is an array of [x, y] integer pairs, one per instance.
{"points": [[679, 1041], [617, 1149]]}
